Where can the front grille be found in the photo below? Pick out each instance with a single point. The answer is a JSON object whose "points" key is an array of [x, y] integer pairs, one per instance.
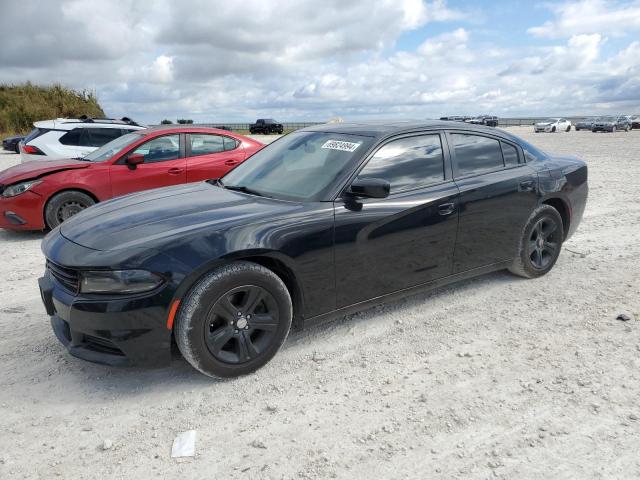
{"points": [[68, 277]]}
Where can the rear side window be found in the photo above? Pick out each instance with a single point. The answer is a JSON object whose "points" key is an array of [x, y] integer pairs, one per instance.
{"points": [[476, 154], [229, 143], [203, 144], [100, 136], [407, 163], [510, 154], [160, 149], [76, 137]]}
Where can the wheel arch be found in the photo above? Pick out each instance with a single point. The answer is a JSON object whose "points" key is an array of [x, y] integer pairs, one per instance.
{"points": [[278, 263], [563, 209]]}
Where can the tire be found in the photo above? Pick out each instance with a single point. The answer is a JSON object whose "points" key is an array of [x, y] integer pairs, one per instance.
{"points": [[568, 128], [577, 129], [64, 205], [535, 257], [17, 148], [553, 130], [217, 341]]}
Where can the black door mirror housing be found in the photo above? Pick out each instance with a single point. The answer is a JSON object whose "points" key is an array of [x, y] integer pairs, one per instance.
{"points": [[134, 160], [370, 188]]}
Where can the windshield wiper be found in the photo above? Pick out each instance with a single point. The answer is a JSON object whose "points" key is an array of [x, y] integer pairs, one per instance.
{"points": [[241, 188], [80, 158]]}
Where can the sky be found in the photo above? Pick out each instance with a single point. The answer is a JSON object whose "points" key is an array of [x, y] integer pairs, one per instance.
{"points": [[305, 60]]}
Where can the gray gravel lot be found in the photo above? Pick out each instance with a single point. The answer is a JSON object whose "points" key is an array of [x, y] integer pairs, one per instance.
{"points": [[493, 377]]}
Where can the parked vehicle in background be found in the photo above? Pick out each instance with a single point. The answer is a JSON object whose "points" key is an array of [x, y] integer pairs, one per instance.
{"points": [[72, 137], [488, 120], [38, 195], [611, 124], [553, 125], [635, 121], [12, 143], [584, 124], [326, 221], [456, 118], [266, 126]]}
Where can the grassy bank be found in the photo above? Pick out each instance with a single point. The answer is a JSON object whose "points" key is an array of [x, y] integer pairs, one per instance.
{"points": [[21, 105]]}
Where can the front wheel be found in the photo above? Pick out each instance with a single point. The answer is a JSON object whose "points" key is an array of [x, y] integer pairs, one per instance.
{"points": [[234, 320], [553, 130], [569, 128], [540, 243], [65, 205]]}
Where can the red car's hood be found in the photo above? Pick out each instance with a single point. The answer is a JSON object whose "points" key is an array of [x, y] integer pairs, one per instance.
{"points": [[29, 170]]}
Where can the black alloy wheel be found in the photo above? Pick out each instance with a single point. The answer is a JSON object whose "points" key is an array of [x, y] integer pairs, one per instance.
{"points": [[233, 320], [540, 243], [241, 324], [543, 243]]}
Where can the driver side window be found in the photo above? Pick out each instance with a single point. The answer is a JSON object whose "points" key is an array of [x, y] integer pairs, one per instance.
{"points": [[160, 149]]}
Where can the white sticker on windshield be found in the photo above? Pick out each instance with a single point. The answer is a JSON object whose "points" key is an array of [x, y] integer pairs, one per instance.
{"points": [[340, 145]]}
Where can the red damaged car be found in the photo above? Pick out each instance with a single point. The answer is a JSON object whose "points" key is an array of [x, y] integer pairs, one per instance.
{"points": [[39, 195]]}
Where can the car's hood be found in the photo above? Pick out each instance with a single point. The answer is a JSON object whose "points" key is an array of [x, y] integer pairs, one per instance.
{"points": [[544, 124], [29, 170], [143, 219]]}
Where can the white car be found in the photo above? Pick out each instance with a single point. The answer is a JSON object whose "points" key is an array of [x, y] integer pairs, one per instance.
{"points": [[72, 137], [553, 125]]}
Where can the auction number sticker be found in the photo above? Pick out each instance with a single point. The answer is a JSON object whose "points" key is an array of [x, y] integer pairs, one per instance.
{"points": [[340, 145]]}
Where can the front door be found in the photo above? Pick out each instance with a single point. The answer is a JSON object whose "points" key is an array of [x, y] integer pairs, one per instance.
{"points": [[498, 192], [385, 245], [163, 165]]}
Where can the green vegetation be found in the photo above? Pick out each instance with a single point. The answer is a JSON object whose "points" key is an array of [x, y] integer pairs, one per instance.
{"points": [[166, 122], [21, 105], [184, 121]]}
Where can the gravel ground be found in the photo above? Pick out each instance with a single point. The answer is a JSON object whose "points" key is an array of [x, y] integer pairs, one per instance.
{"points": [[493, 377]]}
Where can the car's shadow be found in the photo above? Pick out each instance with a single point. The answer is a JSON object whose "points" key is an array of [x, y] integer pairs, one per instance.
{"points": [[17, 236], [180, 375]]}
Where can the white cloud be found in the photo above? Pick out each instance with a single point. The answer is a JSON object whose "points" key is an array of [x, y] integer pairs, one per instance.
{"points": [[590, 16], [304, 60]]}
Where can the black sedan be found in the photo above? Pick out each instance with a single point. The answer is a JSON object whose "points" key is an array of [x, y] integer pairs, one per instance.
{"points": [[322, 222], [11, 143]]}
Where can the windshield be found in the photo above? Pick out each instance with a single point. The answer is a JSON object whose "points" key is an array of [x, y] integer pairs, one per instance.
{"points": [[110, 149], [301, 166], [606, 119]]}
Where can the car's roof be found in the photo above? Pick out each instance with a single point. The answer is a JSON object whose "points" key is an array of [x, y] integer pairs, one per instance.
{"points": [[71, 123], [186, 128], [385, 128]]}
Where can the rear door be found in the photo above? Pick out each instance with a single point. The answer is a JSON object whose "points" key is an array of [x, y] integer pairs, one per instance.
{"points": [[408, 238], [211, 156], [164, 164], [498, 192]]}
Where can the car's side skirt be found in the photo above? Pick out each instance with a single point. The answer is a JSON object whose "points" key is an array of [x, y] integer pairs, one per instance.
{"points": [[356, 307]]}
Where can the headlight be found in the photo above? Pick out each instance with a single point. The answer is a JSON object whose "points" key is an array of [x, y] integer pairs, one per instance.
{"points": [[18, 188], [118, 281]]}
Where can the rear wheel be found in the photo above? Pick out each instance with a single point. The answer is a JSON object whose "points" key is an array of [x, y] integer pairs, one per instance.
{"points": [[234, 320], [65, 205], [540, 243], [553, 129], [569, 128]]}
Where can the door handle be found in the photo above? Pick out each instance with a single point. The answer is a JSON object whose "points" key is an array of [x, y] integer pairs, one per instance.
{"points": [[446, 208], [527, 186], [231, 161], [175, 171]]}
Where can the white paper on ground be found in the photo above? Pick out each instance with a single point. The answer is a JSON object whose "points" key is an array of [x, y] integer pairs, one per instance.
{"points": [[184, 445]]}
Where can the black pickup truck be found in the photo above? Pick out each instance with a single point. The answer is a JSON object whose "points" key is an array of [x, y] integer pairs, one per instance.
{"points": [[266, 126]]}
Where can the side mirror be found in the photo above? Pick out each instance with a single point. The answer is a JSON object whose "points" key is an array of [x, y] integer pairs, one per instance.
{"points": [[370, 188], [134, 160]]}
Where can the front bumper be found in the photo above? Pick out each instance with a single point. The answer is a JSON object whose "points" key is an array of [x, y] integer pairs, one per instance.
{"points": [[543, 129], [112, 330], [22, 212]]}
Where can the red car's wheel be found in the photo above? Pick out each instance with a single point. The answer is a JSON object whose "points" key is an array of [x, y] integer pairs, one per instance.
{"points": [[65, 205]]}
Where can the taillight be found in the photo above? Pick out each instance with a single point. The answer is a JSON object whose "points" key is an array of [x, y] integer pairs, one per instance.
{"points": [[31, 150]]}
